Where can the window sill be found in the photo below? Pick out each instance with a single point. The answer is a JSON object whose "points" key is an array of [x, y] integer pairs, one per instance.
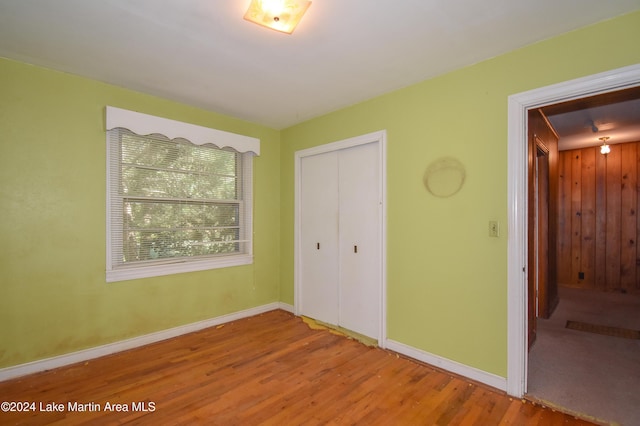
{"points": [[147, 271]]}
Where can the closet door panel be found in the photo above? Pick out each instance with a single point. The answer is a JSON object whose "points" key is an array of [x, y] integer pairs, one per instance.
{"points": [[319, 237], [359, 239]]}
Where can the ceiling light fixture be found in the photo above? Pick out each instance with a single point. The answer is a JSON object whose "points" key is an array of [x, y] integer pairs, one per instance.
{"points": [[604, 148], [279, 15]]}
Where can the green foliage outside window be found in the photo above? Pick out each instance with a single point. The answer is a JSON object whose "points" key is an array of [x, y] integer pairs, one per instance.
{"points": [[178, 199]]}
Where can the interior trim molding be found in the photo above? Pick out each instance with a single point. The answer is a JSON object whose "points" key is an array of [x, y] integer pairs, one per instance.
{"points": [[145, 124], [463, 370], [135, 342], [287, 307], [518, 106]]}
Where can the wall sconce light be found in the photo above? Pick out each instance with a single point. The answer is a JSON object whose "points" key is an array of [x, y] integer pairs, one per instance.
{"points": [[279, 15], [604, 148]]}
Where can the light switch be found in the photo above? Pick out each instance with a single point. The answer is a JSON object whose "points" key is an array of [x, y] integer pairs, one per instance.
{"points": [[494, 228]]}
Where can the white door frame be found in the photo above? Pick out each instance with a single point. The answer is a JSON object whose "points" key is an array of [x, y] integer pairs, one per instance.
{"points": [[518, 105], [380, 138]]}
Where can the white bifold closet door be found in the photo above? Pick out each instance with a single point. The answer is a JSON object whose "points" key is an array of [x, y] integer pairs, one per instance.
{"points": [[319, 237], [340, 238]]}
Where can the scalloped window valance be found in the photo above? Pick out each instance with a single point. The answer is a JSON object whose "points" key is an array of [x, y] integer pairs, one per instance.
{"points": [[179, 196], [145, 124]]}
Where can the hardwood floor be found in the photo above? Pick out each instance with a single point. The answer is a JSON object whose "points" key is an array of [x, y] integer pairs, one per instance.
{"points": [[267, 369]]}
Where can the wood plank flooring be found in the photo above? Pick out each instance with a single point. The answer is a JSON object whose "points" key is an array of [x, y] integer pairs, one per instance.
{"points": [[269, 369]]}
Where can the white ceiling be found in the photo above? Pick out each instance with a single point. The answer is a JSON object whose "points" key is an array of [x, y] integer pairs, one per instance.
{"points": [[202, 52]]}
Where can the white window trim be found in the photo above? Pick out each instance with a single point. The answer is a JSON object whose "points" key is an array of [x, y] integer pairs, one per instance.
{"points": [[144, 124]]}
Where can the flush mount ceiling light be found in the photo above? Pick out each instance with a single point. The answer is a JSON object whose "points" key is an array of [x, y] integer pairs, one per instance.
{"points": [[604, 148], [279, 15]]}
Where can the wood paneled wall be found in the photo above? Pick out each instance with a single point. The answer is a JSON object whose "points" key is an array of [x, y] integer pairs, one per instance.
{"points": [[598, 224], [542, 273]]}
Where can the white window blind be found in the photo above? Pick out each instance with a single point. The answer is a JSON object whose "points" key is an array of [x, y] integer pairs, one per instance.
{"points": [[175, 206]]}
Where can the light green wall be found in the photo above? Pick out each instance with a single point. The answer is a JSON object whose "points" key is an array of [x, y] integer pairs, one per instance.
{"points": [[53, 294], [447, 279]]}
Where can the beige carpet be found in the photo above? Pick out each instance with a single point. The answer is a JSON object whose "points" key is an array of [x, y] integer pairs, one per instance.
{"points": [[589, 373]]}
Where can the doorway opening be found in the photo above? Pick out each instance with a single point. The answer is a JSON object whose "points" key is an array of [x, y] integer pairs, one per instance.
{"points": [[593, 275], [518, 264]]}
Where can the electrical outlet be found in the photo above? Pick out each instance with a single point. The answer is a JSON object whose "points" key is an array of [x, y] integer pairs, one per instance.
{"points": [[494, 228]]}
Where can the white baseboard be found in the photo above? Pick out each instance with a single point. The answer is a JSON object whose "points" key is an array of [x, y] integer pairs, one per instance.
{"points": [[123, 345], [286, 307], [449, 365]]}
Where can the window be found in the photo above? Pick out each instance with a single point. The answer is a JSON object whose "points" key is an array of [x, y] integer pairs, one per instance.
{"points": [[178, 197]]}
